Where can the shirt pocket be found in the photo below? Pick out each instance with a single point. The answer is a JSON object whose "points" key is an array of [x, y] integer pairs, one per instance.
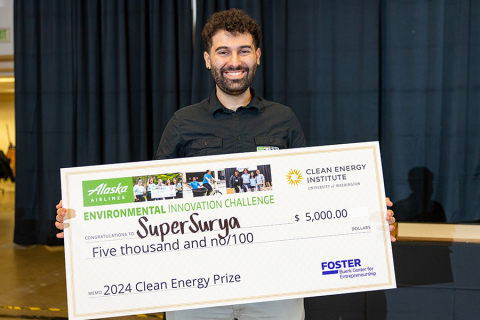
{"points": [[269, 141], [205, 146]]}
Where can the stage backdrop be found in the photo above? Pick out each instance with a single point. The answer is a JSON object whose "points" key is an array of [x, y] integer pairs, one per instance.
{"points": [[97, 81]]}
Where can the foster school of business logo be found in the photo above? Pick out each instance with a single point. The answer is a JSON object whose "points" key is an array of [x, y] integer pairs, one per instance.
{"points": [[107, 191], [294, 177], [348, 269], [332, 267]]}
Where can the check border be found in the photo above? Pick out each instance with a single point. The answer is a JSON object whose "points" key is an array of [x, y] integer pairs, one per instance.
{"points": [[204, 160]]}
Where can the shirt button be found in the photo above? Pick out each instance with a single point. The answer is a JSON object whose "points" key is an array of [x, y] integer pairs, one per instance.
{"points": [[206, 143], [271, 140], [238, 138]]}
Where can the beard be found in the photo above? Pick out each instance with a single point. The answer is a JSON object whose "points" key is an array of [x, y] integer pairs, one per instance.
{"points": [[234, 87]]}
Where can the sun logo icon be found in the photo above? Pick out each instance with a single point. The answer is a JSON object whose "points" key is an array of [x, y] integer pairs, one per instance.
{"points": [[294, 177]]}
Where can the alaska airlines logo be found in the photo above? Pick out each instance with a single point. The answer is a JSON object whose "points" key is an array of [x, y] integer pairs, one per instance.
{"points": [[108, 191], [103, 189], [294, 177]]}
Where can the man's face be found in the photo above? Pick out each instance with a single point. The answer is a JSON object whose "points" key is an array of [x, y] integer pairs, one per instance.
{"points": [[236, 173], [233, 61], [258, 171], [194, 178]]}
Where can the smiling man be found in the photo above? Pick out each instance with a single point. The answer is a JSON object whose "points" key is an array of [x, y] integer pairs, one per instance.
{"points": [[233, 119], [234, 65]]}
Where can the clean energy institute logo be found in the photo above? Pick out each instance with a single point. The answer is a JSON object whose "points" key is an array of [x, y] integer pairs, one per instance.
{"points": [[294, 177]]}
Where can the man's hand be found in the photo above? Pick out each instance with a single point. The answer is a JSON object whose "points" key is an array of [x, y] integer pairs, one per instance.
{"points": [[61, 212], [390, 218]]}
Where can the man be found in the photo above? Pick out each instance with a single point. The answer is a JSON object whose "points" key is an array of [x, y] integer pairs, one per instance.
{"points": [[243, 122], [194, 184], [246, 180], [197, 188], [160, 186], [260, 180], [207, 181], [236, 182]]}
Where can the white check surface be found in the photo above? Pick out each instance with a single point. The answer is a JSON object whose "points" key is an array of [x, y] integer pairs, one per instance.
{"points": [[316, 237]]}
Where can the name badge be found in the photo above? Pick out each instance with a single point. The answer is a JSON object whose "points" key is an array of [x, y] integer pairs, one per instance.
{"points": [[267, 148]]}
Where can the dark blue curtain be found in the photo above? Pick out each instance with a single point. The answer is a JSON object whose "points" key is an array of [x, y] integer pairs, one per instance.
{"points": [[430, 108], [96, 82], [402, 72]]}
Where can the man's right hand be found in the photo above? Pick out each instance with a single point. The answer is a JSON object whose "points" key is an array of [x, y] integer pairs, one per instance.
{"points": [[61, 212]]}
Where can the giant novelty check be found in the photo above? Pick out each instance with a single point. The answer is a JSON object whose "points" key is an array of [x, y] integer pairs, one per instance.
{"points": [[307, 222]]}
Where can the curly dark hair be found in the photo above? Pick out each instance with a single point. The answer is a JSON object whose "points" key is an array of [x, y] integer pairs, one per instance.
{"points": [[234, 21]]}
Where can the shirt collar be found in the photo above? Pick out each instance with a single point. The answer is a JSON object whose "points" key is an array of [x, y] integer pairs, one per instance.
{"points": [[216, 105]]}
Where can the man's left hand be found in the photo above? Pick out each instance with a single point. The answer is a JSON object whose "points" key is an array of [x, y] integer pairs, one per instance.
{"points": [[390, 218]]}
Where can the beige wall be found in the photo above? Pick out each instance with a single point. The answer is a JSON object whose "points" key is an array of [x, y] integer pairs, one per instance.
{"points": [[7, 117], [6, 21], [7, 96]]}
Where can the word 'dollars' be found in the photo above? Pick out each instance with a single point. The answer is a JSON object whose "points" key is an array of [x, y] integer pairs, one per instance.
{"points": [[193, 225]]}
